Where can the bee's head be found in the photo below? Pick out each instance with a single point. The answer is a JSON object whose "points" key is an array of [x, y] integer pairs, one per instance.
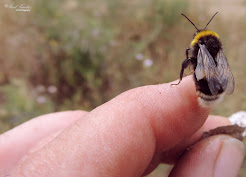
{"points": [[199, 30]]}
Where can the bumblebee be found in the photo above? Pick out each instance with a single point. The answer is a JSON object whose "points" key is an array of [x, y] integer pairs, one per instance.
{"points": [[212, 75]]}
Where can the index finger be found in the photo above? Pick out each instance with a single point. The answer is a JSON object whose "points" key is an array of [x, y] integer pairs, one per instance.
{"points": [[121, 136]]}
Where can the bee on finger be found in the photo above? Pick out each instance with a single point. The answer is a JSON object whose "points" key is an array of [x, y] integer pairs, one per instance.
{"points": [[212, 75]]}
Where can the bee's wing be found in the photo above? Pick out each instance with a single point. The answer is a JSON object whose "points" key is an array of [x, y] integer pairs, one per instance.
{"points": [[209, 68], [200, 70], [224, 73]]}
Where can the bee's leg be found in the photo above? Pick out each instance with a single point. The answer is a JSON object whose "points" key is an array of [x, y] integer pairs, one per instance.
{"points": [[187, 53], [186, 74], [185, 64], [187, 57], [193, 62]]}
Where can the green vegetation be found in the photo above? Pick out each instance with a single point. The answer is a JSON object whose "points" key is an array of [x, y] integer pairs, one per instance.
{"points": [[92, 51], [89, 51]]}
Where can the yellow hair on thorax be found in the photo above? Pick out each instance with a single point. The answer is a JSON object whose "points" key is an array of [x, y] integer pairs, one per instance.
{"points": [[202, 34]]}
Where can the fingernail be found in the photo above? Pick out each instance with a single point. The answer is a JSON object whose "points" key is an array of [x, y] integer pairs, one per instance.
{"points": [[230, 158]]}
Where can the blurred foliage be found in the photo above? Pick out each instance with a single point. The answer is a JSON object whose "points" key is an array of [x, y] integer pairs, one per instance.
{"points": [[20, 104], [92, 45], [90, 51], [85, 49]]}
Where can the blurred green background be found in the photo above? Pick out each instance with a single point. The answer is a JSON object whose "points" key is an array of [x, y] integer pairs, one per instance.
{"points": [[71, 54]]}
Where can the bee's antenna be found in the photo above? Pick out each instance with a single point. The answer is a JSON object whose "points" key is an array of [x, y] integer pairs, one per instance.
{"points": [[210, 20], [191, 22]]}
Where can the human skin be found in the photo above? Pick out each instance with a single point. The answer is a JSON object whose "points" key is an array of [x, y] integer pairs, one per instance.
{"points": [[127, 136]]}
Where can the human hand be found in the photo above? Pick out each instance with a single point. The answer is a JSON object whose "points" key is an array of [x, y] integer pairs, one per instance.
{"points": [[127, 136]]}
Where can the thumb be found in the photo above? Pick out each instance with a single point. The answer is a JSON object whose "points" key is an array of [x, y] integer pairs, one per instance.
{"points": [[216, 156]]}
